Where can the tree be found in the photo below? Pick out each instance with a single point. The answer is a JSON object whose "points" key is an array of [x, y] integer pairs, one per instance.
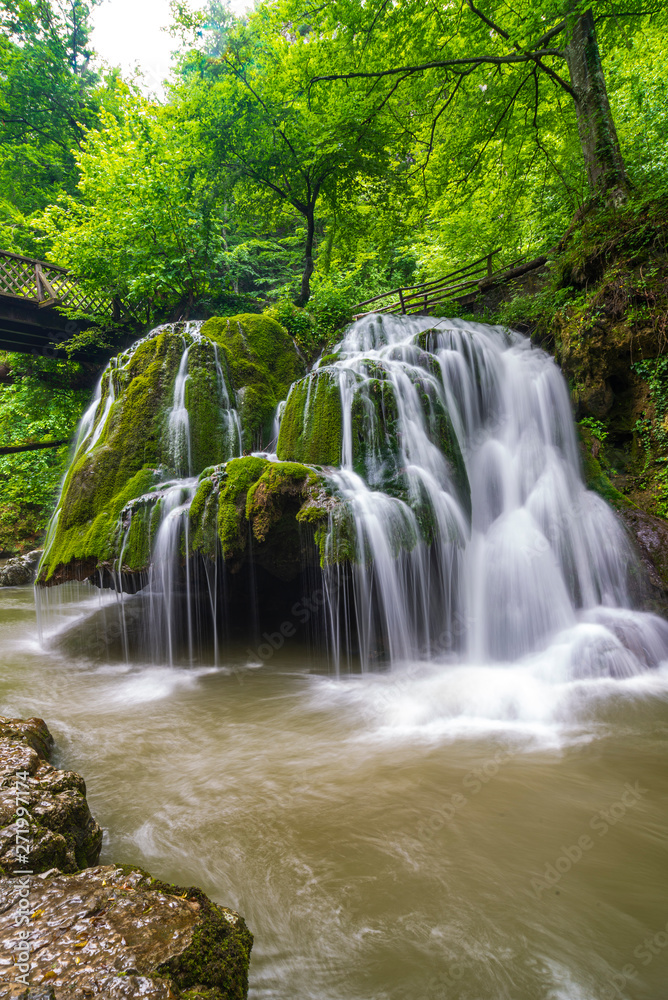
{"points": [[260, 125], [143, 226], [40, 400], [49, 96], [518, 45]]}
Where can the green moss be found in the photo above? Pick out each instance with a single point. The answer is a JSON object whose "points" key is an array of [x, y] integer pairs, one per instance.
{"points": [[136, 551], [204, 520], [442, 434], [218, 956], [257, 361], [210, 441], [311, 425], [375, 418], [337, 539], [266, 499], [261, 363], [237, 478], [122, 465], [594, 476], [270, 501], [99, 538], [215, 963], [328, 359]]}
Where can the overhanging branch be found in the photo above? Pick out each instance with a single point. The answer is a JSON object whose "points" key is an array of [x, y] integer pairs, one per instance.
{"points": [[488, 21], [473, 61], [15, 449]]}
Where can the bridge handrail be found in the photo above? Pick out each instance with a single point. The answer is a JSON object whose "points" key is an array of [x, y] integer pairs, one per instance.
{"points": [[430, 293], [32, 260], [425, 284], [46, 284]]}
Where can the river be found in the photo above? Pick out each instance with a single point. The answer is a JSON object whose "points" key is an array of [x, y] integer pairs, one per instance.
{"points": [[429, 831]]}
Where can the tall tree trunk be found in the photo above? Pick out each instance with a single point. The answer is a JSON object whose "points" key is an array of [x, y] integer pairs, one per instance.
{"points": [[305, 293], [606, 172]]}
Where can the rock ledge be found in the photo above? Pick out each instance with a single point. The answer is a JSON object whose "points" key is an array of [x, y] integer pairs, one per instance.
{"points": [[108, 931]]}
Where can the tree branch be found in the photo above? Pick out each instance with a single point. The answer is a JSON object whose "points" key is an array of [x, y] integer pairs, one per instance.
{"points": [[488, 22], [558, 28], [15, 449], [518, 57], [496, 127], [242, 77], [555, 76]]}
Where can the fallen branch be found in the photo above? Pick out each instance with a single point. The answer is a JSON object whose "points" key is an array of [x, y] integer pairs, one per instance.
{"points": [[14, 449]]}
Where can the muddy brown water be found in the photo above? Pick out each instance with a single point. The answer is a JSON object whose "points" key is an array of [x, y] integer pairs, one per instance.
{"points": [[469, 833]]}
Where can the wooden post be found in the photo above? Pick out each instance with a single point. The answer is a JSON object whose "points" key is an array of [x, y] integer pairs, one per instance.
{"points": [[401, 299], [44, 286], [489, 265], [38, 283]]}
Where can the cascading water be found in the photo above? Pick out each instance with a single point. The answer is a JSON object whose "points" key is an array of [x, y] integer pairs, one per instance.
{"points": [[518, 720], [459, 528], [179, 421], [538, 552], [168, 591], [231, 422]]}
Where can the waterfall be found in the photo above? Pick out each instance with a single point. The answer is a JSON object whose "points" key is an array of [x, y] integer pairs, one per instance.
{"points": [[535, 553], [164, 576], [231, 422], [459, 531], [179, 421]]}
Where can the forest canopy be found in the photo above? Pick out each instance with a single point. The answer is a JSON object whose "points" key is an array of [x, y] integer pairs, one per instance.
{"points": [[294, 151], [307, 156]]}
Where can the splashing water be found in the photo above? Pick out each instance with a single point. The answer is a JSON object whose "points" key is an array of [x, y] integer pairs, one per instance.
{"points": [[469, 534], [533, 555]]}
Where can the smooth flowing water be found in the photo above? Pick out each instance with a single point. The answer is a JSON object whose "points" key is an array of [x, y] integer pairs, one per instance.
{"points": [[534, 554], [414, 834], [476, 810]]}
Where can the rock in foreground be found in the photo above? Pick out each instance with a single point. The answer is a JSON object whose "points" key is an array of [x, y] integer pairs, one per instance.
{"points": [[62, 832], [20, 572], [107, 931], [113, 931]]}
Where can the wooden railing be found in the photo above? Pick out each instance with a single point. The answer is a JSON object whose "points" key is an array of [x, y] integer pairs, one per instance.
{"points": [[48, 285], [455, 285]]}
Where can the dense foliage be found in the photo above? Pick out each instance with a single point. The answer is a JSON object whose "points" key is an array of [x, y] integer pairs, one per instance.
{"points": [[40, 400], [305, 157], [293, 144]]}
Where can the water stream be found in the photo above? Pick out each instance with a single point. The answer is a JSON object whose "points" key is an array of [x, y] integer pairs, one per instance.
{"points": [[475, 809], [398, 835]]}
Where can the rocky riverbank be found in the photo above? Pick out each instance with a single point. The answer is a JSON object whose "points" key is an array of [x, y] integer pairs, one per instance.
{"points": [[77, 929], [21, 571]]}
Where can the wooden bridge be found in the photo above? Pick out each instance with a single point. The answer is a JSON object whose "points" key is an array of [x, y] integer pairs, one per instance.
{"points": [[461, 287], [30, 293]]}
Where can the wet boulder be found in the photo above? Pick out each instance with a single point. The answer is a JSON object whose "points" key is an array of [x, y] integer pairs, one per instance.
{"points": [[182, 399], [108, 931], [113, 932], [45, 821], [650, 536], [20, 572]]}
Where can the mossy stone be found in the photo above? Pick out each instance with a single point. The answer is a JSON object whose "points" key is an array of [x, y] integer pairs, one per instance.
{"points": [[311, 425], [237, 478], [262, 362], [248, 361]]}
